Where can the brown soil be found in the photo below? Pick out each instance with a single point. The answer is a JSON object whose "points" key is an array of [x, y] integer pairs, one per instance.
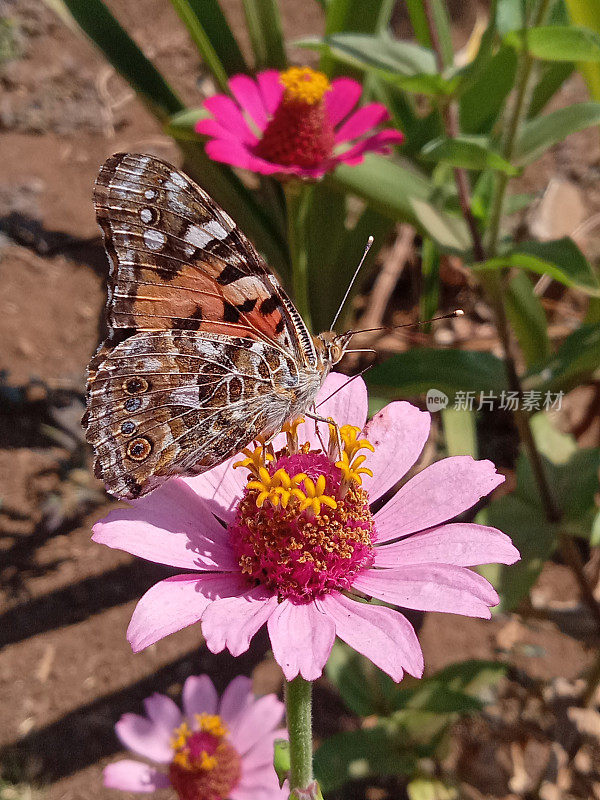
{"points": [[66, 670]]}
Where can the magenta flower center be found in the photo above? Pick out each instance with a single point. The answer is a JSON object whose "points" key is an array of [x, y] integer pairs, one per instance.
{"points": [[304, 528], [300, 132], [205, 765]]}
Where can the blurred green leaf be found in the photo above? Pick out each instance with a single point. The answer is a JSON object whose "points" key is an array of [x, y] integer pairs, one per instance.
{"points": [[527, 318], [359, 754], [558, 43], [181, 126], [400, 193], [551, 78], [450, 371], [540, 133], [474, 676], [353, 16], [266, 35], [430, 281], [576, 360], [587, 14], [468, 152], [363, 687], [213, 38], [595, 533], [460, 432], [105, 31], [561, 259], [482, 102], [441, 21]]}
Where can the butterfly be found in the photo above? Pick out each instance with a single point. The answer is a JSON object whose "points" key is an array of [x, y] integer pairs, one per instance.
{"points": [[205, 352]]}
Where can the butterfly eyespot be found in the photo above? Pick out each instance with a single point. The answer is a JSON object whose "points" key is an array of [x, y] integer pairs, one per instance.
{"points": [[132, 404], [127, 427], [139, 449], [135, 386], [149, 216]]}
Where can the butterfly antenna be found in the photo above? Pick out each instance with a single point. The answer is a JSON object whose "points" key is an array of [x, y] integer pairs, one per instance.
{"points": [[343, 386], [351, 284], [458, 313]]}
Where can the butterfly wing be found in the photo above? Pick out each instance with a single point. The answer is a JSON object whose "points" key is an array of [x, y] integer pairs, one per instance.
{"points": [[167, 403], [179, 262], [205, 350]]}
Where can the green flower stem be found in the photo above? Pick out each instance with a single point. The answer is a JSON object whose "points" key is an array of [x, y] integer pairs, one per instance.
{"points": [[298, 705], [298, 196]]}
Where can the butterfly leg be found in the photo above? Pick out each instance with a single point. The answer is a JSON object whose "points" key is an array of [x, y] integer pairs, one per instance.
{"points": [[333, 423]]}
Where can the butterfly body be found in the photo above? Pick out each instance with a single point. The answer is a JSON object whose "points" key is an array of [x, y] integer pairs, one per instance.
{"points": [[205, 352]]}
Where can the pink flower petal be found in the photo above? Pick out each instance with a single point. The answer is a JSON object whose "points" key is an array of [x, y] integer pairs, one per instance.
{"points": [[236, 698], [361, 121], [271, 89], [438, 493], [177, 602], [144, 738], [247, 93], [239, 156], [302, 638], [381, 634], [431, 587], [210, 127], [133, 776], [261, 753], [256, 722], [463, 544], [163, 712], [379, 143], [341, 99], [229, 116], [199, 696], [232, 622], [398, 433], [220, 488], [170, 526]]}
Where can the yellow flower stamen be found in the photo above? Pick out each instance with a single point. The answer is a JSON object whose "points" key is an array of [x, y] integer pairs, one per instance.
{"points": [[314, 496], [208, 723], [255, 459], [303, 84], [350, 464], [277, 489], [291, 431]]}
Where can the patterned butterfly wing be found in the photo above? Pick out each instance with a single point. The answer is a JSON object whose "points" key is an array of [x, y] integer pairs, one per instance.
{"points": [[178, 261], [205, 351]]}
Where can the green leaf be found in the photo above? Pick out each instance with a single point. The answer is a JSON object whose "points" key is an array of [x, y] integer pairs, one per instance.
{"points": [[527, 318], [587, 14], [561, 259], [430, 281], [400, 193], [552, 77], [536, 539], [482, 102], [473, 676], [558, 43], [281, 759], [449, 371], [441, 22], [126, 57], [468, 152], [460, 432], [213, 38], [360, 754], [364, 688], [576, 360], [538, 134], [264, 27], [354, 16], [181, 126]]}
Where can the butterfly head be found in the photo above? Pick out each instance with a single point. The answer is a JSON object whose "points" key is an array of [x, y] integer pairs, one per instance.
{"points": [[331, 346]]}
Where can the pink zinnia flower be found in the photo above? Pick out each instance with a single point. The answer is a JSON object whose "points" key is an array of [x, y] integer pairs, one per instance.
{"points": [[293, 123], [298, 547], [213, 750]]}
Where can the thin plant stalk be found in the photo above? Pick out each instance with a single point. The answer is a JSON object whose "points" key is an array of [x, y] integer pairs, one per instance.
{"points": [[298, 705], [297, 196]]}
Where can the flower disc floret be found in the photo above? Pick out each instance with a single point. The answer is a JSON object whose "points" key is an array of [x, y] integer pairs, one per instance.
{"points": [[300, 531], [205, 765]]}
